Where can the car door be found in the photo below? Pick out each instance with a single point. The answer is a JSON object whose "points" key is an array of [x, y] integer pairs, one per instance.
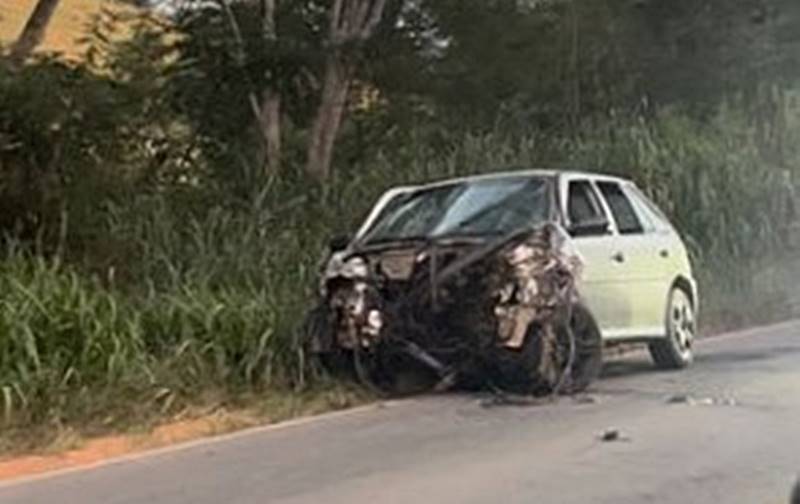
{"points": [[671, 249], [601, 286], [642, 264]]}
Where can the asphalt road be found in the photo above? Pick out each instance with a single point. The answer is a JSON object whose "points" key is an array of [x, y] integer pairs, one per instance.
{"points": [[728, 430]]}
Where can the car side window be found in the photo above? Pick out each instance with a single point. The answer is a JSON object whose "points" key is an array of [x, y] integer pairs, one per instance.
{"points": [[583, 204], [650, 222], [628, 222], [647, 208]]}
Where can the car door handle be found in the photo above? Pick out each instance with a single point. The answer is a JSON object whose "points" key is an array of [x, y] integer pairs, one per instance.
{"points": [[618, 257]]}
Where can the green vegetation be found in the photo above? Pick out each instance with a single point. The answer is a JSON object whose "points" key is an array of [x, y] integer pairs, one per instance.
{"points": [[157, 258]]}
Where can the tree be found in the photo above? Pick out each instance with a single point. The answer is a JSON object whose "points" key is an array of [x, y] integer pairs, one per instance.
{"points": [[265, 104], [352, 23], [296, 54], [34, 30], [265, 81]]}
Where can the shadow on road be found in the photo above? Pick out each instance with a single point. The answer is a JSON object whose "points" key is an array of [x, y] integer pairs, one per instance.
{"points": [[746, 356], [628, 367]]}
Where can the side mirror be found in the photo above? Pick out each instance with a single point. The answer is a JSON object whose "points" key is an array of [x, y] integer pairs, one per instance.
{"points": [[339, 242], [590, 227]]}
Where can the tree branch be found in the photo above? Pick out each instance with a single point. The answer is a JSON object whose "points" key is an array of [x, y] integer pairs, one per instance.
{"points": [[375, 18], [362, 10], [336, 20], [268, 19], [241, 56], [34, 30]]}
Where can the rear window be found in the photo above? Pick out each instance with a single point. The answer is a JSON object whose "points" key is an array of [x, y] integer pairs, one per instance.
{"points": [[647, 207], [627, 220]]}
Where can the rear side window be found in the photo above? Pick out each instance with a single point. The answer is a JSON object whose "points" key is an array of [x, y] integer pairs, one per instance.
{"points": [[647, 208], [582, 202], [624, 214]]}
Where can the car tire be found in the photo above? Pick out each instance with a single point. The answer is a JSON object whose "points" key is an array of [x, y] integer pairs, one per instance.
{"points": [[675, 350], [518, 371], [318, 341], [588, 361]]}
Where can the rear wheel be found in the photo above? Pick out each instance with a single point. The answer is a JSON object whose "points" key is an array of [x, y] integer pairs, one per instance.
{"points": [[675, 351]]}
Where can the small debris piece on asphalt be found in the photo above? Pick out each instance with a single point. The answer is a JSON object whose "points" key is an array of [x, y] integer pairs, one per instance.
{"points": [[585, 399], [679, 399], [610, 435], [703, 401], [504, 399]]}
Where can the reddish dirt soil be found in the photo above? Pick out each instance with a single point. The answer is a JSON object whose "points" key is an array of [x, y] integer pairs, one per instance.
{"points": [[105, 448]]}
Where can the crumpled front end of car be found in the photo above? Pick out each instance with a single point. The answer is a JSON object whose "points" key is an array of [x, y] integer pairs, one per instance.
{"points": [[495, 311]]}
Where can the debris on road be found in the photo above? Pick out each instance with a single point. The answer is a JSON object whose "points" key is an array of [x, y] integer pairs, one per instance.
{"points": [[612, 435], [585, 399], [701, 401], [498, 399]]}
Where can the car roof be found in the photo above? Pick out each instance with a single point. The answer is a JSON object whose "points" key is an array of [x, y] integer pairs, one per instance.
{"points": [[556, 174]]}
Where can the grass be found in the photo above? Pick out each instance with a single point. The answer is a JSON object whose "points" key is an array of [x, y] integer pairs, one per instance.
{"points": [[182, 303]]}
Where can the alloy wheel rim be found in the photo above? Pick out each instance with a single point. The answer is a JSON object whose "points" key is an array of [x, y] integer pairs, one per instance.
{"points": [[682, 322]]}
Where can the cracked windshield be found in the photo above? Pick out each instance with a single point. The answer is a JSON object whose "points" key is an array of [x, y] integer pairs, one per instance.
{"points": [[478, 208]]}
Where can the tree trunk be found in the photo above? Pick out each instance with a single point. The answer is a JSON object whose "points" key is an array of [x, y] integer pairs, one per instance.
{"points": [[34, 30], [264, 105], [329, 117], [271, 99], [352, 23], [271, 130]]}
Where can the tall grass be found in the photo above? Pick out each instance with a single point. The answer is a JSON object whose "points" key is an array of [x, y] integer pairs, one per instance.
{"points": [[67, 346], [180, 295]]}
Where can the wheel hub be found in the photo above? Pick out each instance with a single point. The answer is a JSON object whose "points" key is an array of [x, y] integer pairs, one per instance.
{"points": [[683, 323]]}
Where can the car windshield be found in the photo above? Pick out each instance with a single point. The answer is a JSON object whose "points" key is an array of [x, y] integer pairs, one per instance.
{"points": [[470, 208]]}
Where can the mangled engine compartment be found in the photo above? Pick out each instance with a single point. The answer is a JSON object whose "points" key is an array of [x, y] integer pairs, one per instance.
{"points": [[501, 312]]}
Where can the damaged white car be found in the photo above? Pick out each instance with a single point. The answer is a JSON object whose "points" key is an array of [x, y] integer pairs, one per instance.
{"points": [[512, 280]]}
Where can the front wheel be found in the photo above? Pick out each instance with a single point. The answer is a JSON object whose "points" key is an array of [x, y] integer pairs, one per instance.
{"points": [[588, 350], [538, 367], [675, 351]]}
